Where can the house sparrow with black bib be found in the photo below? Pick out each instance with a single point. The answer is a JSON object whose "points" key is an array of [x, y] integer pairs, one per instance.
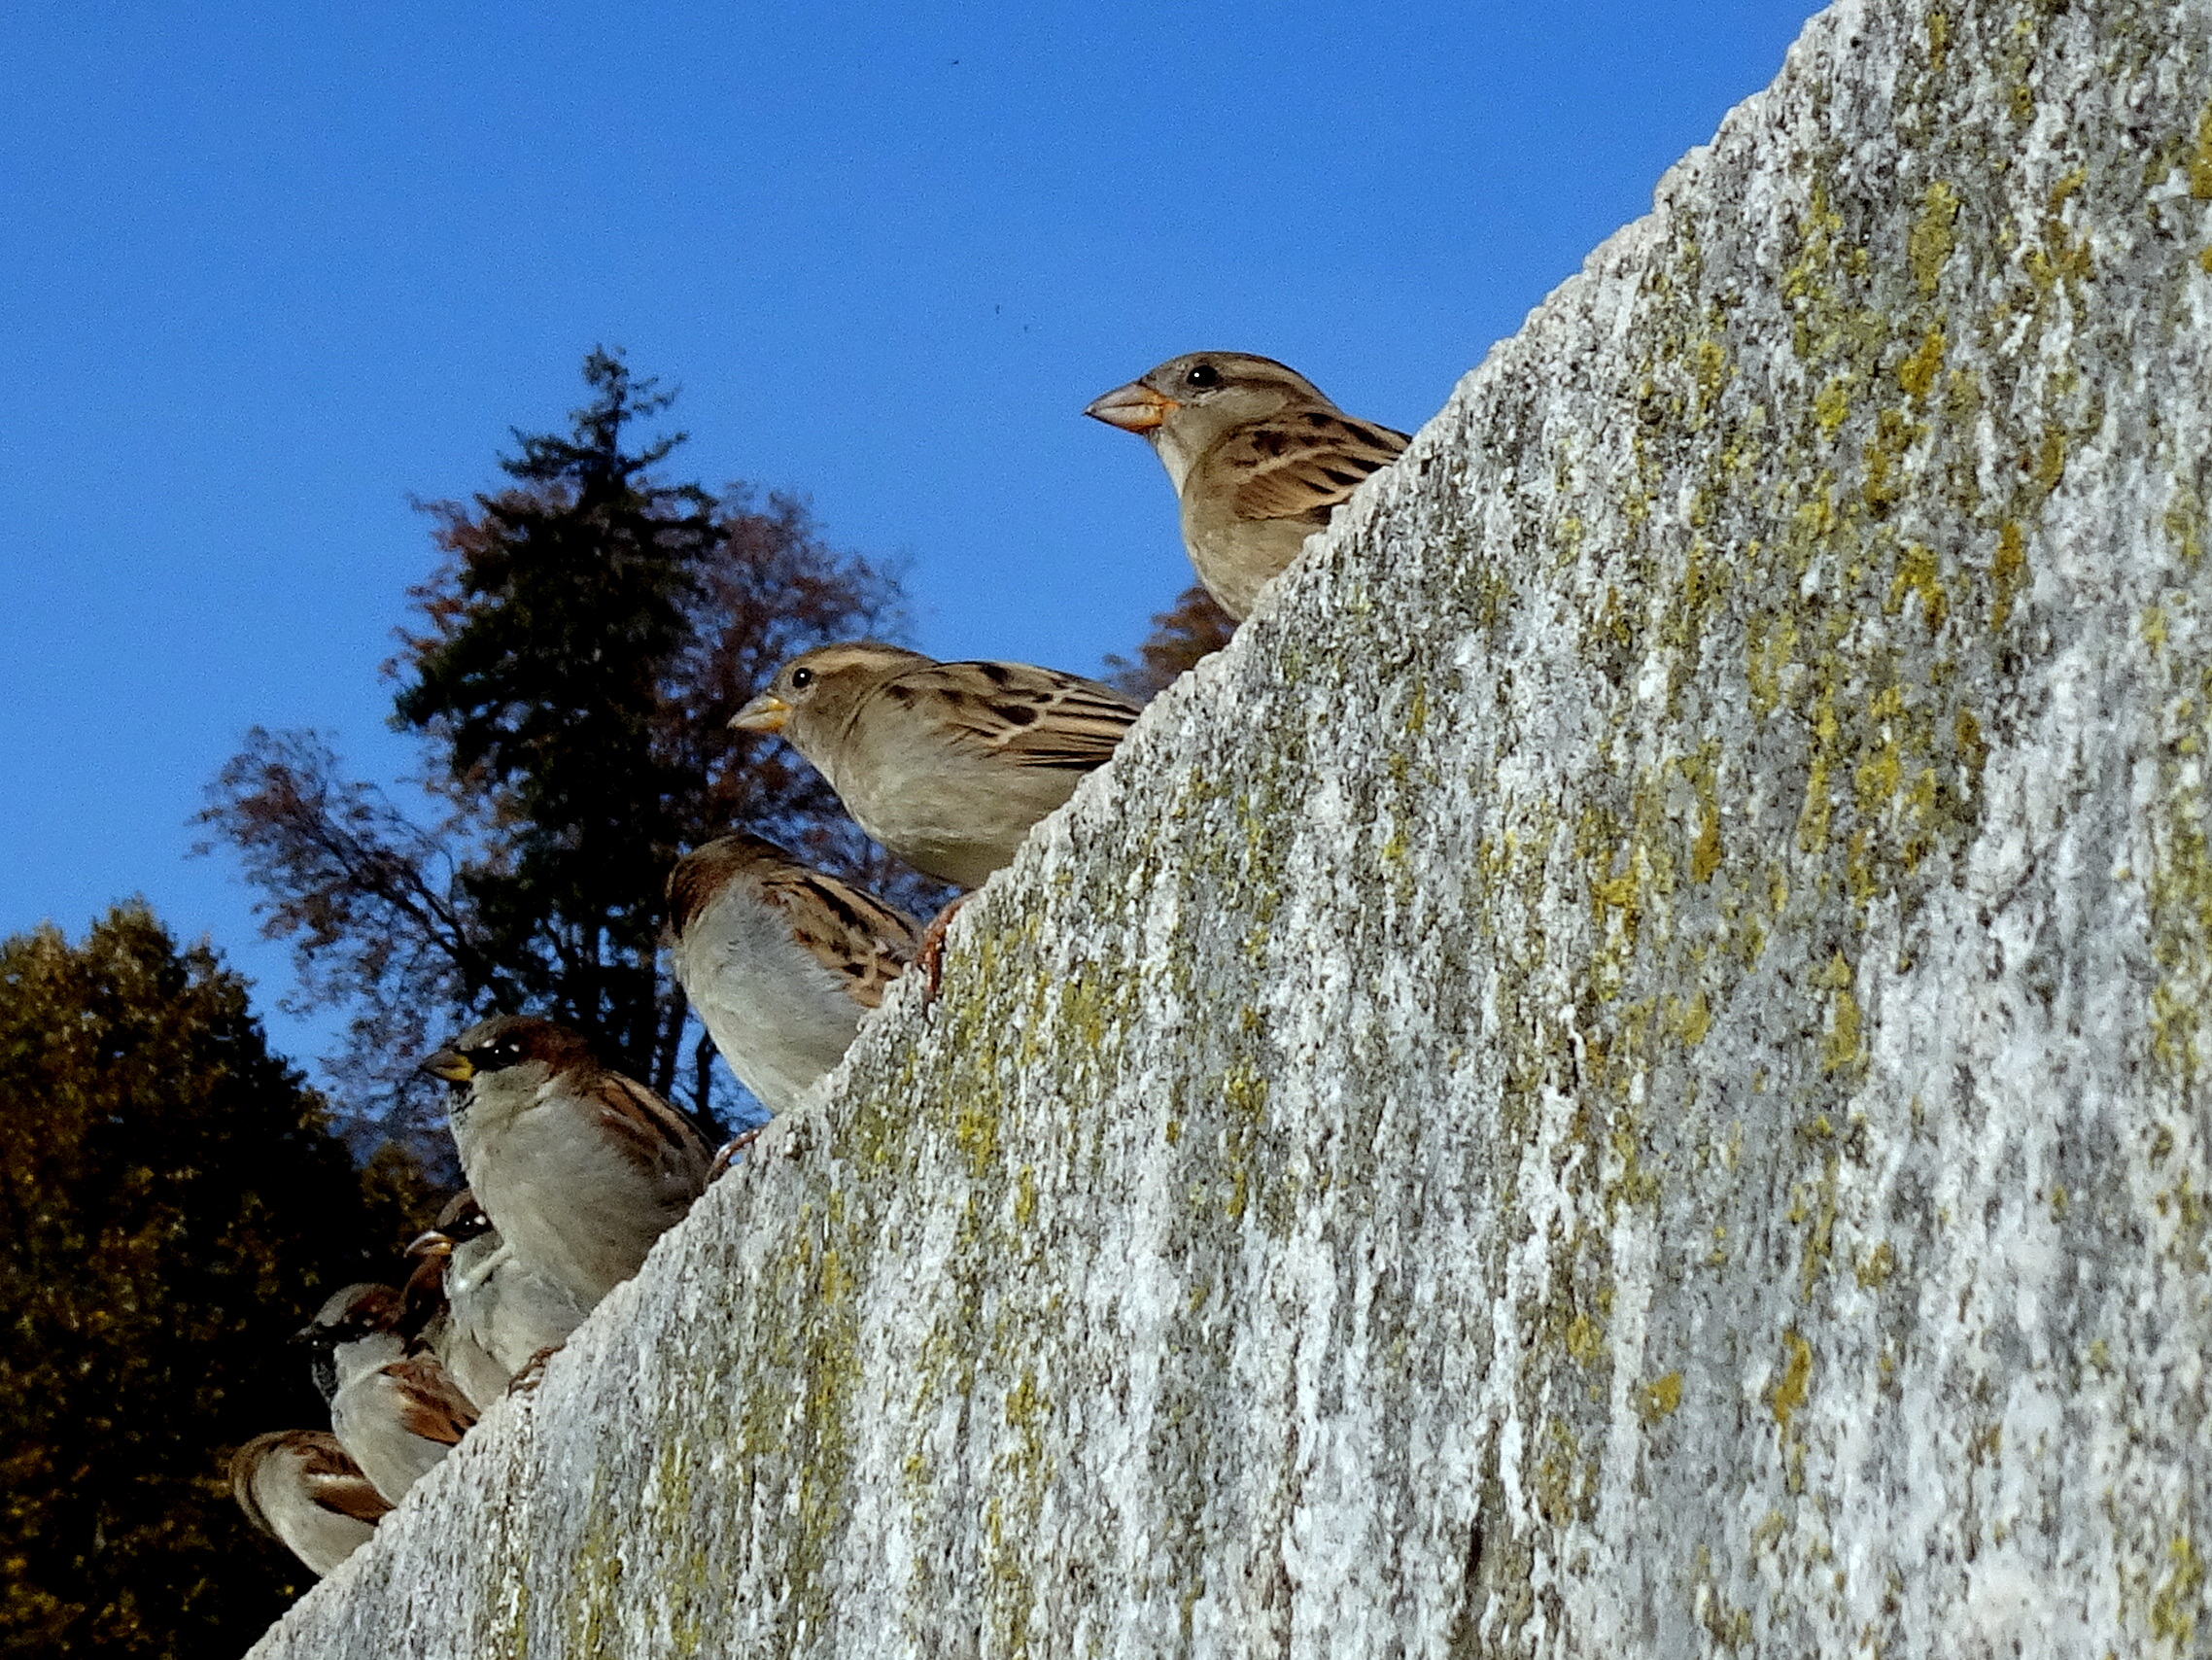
{"points": [[579, 1167], [299, 1487], [948, 764], [1259, 457], [500, 1312], [394, 1408], [780, 960]]}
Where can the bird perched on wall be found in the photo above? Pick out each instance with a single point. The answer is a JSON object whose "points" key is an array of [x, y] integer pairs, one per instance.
{"points": [[299, 1487], [465, 1358], [948, 765], [579, 1167], [394, 1408], [1259, 457], [780, 960], [500, 1312]]}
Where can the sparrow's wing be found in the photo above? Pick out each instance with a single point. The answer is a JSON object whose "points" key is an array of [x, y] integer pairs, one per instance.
{"points": [[849, 932], [432, 1406], [1302, 463], [1023, 714], [348, 1496], [648, 1131], [333, 1481]]}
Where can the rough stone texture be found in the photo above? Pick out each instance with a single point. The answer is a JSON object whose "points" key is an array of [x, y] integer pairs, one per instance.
{"points": [[1626, 1074]]}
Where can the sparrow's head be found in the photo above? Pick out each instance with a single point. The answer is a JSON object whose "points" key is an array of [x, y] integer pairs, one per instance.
{"points": [[504, 1043], [351, 1313], [1187, 402], [816, 692], [702, 874], [462, 1220]]}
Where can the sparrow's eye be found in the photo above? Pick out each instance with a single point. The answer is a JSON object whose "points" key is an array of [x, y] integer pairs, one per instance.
{"points": [[1202, 375], [802, 678]]}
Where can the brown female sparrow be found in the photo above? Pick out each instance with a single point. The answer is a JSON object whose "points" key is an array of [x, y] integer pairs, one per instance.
{"points": [[499, 1312], [1259, 457], [394, 1410], [948, 765], [780, 960], [580, 1168], [299, 1487]]}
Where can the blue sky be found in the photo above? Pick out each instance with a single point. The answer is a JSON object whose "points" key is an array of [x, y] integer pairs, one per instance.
{"points": [[268, 272]]}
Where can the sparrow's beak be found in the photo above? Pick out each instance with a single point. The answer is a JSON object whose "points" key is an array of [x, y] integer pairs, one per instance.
{"points": [[1134, 408], [429, 1244], [765, 713], [452, 1066]]}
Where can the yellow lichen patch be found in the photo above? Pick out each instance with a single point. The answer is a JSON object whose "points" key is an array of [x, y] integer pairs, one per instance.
{"points": [[1928, 245], [2008, 573], [1893, 434], [2051, 458], [1789, 1392], [2185, 516], [2153, 627], [2173, 1610], [1689, 1019], [1939, 41], [1660, 1398], [1917, 374], [1704, 852], [1919, 573], [1832, 405], [1769, 647], [1840, 1046], [2201, 163], [1875, 1266], [1585, 1339], [1711, 369]]}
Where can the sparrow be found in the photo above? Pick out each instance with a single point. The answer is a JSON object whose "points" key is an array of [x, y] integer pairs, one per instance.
{"points": [[1259, 458], [948, 764], [299, 1487], [500, 1311], [780, 960], [466, 1360], [394, 1408], [579, 1167]]}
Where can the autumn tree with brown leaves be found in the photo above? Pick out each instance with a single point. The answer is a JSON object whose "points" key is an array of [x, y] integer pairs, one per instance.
{"points": [[1192, 629], [571, 672]]}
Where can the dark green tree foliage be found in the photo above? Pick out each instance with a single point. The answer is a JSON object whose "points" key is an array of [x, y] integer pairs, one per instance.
{"points": [[544, 678], [576, 660], [171, 1206]]}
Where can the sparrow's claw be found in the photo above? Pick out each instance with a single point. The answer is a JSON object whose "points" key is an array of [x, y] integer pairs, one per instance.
{"points": [[732, 1150], [533, 1373], [929, 956]]}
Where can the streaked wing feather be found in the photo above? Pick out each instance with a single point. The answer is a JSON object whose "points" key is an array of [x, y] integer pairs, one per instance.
{"points": [[1302, 466], [1031, 716], [851, 933], [347, 1495], [431, 1404], [651, 1130]]}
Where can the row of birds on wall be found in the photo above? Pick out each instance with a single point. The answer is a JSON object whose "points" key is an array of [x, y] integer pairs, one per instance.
{"points": [[573, 1170]]}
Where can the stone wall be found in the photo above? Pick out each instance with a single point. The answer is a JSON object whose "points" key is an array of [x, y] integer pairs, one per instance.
{"points": [[1625, 1074]]}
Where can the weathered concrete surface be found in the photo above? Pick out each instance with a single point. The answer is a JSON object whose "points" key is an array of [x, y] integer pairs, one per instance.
{"points": [[1627, 1074]]}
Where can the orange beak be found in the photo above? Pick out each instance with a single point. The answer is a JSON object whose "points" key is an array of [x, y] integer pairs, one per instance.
{"points": [[1134, 408]]}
